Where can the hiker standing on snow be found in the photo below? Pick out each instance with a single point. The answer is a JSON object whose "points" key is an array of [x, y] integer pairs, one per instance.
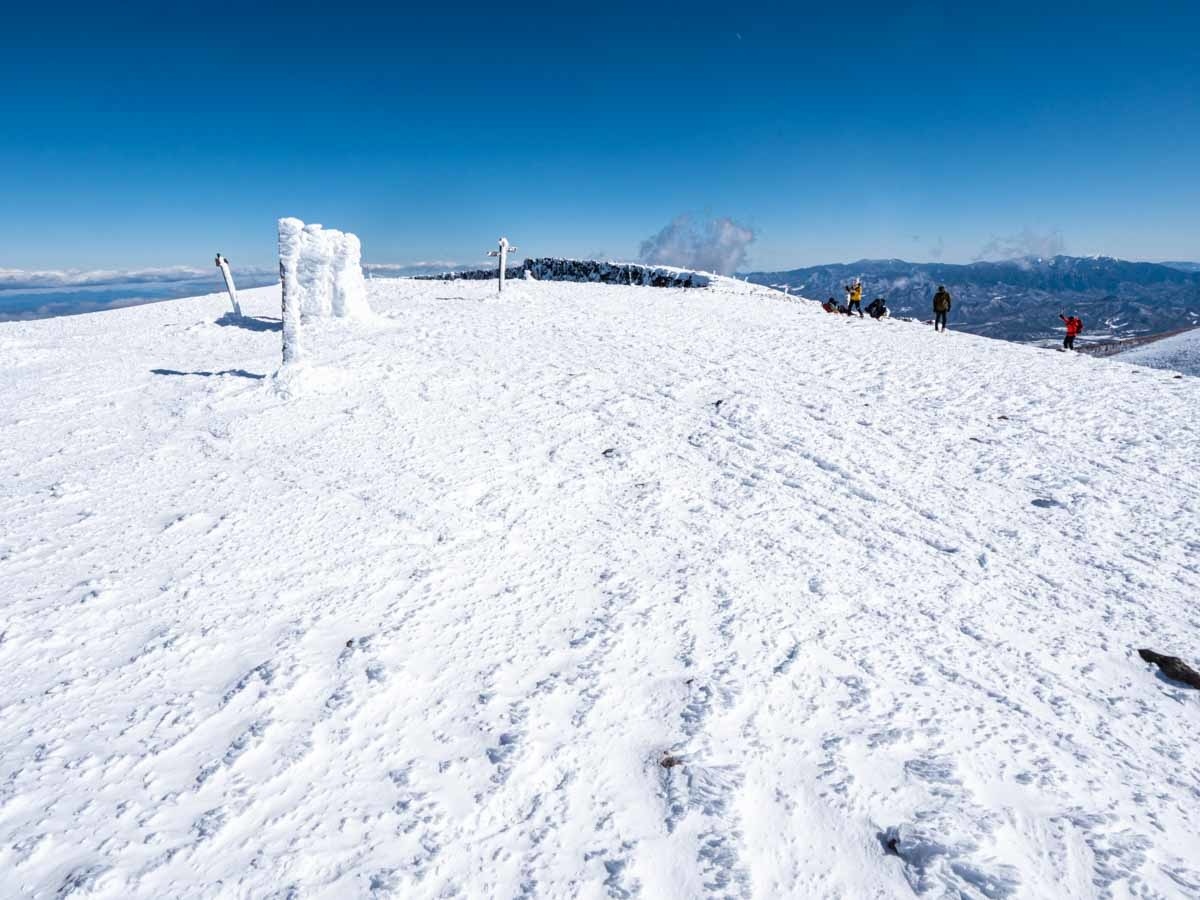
{"points": [[1074, 326], [854, 298], [941, 307]]}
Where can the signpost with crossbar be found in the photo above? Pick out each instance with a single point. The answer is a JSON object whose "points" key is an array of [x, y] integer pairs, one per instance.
{"points": [[502, 253]]}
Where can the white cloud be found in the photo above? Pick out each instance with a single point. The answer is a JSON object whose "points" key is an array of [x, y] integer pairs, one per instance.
{"points": [[714, 245], [1028, 243], [27, 279]]}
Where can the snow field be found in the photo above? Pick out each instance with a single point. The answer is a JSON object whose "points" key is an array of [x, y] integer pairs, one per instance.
{"points": [[422, 616], [1179, 353]]}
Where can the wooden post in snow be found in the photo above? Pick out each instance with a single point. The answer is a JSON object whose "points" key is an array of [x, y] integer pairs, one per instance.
{"points": [[223, 265]]}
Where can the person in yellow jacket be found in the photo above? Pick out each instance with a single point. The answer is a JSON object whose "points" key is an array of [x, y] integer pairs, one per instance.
{"points": [[854, 298]]}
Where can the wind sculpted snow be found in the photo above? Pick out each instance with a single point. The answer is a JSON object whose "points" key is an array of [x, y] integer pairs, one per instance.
{"points": [[428, 616]]}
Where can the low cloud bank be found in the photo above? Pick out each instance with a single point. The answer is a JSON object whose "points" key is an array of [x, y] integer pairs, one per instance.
{"points": [[421, 267], [36, 279], [30, 294], [710, 245], [75, 279]]}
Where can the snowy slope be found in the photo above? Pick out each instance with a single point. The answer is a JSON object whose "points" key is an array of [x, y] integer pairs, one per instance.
{"points": [[1180, 353], [423, 620]]}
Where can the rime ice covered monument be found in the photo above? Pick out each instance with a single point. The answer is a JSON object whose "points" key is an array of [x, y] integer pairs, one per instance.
{"points": [[321, 273]]}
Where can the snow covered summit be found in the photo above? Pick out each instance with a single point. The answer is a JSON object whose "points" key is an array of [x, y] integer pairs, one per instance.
{"points": [[591, 591]]}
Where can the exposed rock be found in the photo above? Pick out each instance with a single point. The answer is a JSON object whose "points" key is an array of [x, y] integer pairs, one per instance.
{"points": [[1173, 667], [552, 269]]}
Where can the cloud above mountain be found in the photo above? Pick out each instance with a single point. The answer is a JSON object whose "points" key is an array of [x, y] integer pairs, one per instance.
{"points": [[711, 245], [1025, 243]]}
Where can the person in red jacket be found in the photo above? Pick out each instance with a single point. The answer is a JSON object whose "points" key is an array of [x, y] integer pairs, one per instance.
{"points": [[1074, 326]]}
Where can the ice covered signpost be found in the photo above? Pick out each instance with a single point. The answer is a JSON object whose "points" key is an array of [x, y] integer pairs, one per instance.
{"points": [[320, 270], [223, 265], [503, 254]]}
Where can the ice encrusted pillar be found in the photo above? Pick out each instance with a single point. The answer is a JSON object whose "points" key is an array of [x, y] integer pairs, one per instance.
{"points": [[321, 273], [290, 232], [315, 269], [349, 288]]}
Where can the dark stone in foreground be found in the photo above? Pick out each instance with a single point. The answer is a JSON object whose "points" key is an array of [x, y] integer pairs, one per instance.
{"points": [[1173, 667]]}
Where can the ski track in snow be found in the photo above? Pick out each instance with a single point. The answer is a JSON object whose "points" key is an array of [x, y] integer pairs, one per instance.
{"points": [[422, 619]]}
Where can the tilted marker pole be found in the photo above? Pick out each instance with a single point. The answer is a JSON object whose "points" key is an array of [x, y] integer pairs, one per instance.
{"points": [[223, 265], [503, 254]]}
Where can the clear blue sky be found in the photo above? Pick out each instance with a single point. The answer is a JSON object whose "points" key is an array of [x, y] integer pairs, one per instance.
{"points": [[155, 135]]}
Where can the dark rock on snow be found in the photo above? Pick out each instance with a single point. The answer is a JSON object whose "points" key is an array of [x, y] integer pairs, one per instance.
{"points": [[552, 269], [1173, 667]]}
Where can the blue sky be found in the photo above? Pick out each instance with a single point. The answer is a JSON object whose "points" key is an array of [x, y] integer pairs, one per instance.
{"points": [[150, 136]]}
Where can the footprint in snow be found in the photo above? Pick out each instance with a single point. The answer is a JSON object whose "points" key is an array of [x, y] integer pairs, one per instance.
{"points": [[1045, 503], [940, 546]]}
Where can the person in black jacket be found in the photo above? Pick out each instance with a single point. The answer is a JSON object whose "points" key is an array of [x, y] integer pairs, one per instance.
{"points": [[941, 307]]}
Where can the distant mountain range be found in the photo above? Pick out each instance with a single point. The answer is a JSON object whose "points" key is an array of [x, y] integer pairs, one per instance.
{"points": [[1019, 299]]}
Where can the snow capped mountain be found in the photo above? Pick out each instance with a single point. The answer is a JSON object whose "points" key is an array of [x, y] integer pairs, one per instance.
{"points": [[1020, 299], [590, 591]]}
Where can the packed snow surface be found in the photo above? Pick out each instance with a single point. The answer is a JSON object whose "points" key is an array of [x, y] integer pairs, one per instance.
{"points": [[590, 591], [1180, 353]]}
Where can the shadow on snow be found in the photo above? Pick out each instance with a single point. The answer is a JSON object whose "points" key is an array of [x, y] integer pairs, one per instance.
{"points": [[240, 373], [250, 323]]}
